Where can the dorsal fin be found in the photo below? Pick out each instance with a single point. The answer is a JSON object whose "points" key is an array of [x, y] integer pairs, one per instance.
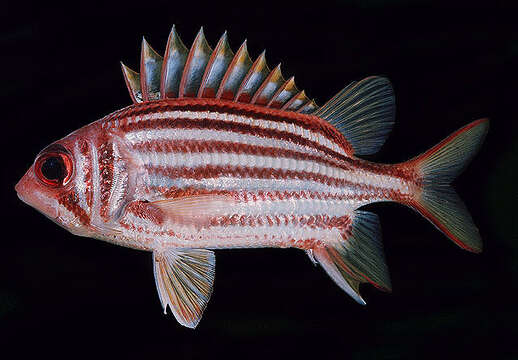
{"points": [[205, 73], [268, 88], [197, 60], [363, 112], [172, 67], [216, 68], [151, 67], [235, 73], [255, 77], [285, 92]]}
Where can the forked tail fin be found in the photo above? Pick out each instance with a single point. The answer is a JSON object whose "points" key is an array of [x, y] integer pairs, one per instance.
{"points": [[437, 168]]}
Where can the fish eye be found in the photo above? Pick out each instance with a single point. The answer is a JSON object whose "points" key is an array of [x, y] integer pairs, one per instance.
{"points": [[54, 168]]}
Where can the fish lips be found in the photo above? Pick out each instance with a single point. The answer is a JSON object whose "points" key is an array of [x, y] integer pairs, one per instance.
{"points": [[29, 191]]}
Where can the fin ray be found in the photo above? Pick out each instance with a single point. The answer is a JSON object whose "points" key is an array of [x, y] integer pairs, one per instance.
{"points": [[218, 74], [436, 168], [195, 65], [363, 112], [172, 67], [215, 70], [150, 72], [184, 279]]}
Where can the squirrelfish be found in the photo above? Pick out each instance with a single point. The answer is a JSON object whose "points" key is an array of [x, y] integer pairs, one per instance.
{"points": [[218, 151]]}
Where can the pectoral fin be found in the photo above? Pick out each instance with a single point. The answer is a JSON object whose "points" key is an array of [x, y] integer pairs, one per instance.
{"points": [[195, 209], [184, 279]]}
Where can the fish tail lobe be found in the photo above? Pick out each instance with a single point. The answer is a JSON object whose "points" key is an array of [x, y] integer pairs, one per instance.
{"points": [[437, 201]]}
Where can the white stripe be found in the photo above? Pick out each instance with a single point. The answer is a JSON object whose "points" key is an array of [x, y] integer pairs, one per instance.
{"points": [[80, 177], [236, 236], [262, 123], [96, 187], [142, 136], [248, 184], [198, 160]]}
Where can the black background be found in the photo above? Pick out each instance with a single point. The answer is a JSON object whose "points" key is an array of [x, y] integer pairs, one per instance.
{"points": [[61, 295]]}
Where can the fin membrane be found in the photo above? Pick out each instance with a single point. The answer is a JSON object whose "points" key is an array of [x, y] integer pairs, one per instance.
{"points": [[437, 167], [205, 73], [184, 280], [356, 256], [363, 112]]}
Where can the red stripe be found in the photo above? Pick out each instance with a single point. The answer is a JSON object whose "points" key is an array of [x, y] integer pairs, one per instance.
{"points": [[305, 121], [211, 171], [219, 125], [105, 160], [70, 201], [208, 146], [249, 196]]}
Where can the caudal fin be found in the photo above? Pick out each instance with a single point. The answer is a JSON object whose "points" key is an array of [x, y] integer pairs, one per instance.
{"points": [[437, 168]]}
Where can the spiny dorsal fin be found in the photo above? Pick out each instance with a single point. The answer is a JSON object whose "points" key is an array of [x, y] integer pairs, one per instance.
{"points": [[255, 77], [197, 60], [132, 80], [151, 67], [216, 68], [285, 92], [205, 73], [268, 88], [172, 69], [235, 73]]}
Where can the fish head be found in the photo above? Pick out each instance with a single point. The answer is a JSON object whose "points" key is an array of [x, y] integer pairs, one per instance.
{"points": [[51, 185]]}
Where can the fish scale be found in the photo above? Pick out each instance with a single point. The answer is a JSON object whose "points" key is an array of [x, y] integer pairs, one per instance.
{"points": [[218, 152]]}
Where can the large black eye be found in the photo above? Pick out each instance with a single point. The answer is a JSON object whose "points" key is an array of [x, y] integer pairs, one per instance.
{"points": [[53, 169]]}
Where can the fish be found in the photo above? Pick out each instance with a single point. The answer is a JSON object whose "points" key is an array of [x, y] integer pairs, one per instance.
{"points": [[220, 152]]}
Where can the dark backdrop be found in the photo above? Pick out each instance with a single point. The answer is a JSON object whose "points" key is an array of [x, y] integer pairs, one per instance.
{"points": [[61, 295]]}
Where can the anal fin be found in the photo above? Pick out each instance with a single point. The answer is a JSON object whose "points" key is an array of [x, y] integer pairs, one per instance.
{"points": [[184, 280], [356, 256]]}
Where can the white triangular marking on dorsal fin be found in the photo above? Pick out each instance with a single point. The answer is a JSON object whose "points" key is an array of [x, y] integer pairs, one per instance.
{"points": [[184, 280]]}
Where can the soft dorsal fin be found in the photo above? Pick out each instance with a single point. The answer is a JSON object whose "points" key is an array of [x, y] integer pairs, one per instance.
{"points": [[363, 112], [205, 73]]}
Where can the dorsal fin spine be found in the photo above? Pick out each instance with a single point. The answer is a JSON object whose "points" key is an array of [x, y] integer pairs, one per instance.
{"points": [[258, 68], [273, 77], [220, 74], [132, 80], [150, 70], [235, 73], [278, 99], [172, 66], [214, 72], [196, 63]]}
